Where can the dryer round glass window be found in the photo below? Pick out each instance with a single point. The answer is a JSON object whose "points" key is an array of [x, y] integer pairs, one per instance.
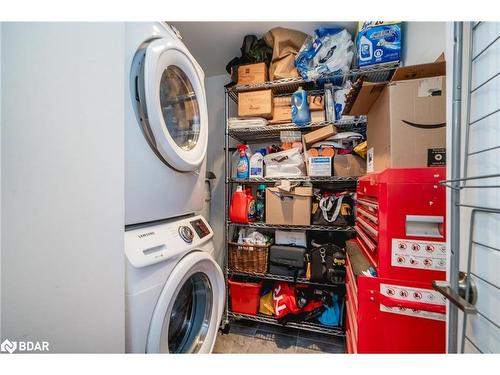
{"points": [[179, 107], [184, 331]]}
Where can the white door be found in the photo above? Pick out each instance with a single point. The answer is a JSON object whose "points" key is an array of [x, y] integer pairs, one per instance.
{"points": [[172, 109], [188, 313], [476, 326]]}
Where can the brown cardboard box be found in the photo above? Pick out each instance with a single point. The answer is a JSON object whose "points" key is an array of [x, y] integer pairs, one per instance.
{"points": [[252, 73], [255, 103], [320, 134], [317, 116], [406, 124], [315, 103], [288, 208], [350, 165], [282, 110]]}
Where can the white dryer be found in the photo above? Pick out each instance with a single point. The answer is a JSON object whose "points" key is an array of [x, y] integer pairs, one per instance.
{"points": [[166, 126], [175, 290]]}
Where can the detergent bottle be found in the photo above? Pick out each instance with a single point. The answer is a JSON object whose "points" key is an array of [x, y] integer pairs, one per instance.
{"points": [[238, 210], [300, 109], [257, 163], [242, 168], [250, 204], [260, 203]]}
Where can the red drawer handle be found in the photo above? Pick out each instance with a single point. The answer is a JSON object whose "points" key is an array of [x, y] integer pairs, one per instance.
{"points": [[429, 307]]}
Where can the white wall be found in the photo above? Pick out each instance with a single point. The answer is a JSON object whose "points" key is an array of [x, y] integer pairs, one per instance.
{"points": [[1, 25], [423, 42], [215, 158], [62, 185]]}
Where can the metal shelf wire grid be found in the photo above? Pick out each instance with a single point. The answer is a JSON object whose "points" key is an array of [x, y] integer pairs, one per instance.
{"points": [[293, 227], [272, 132], [334, 331], [290, 279], [263, 180], [377, 73]]}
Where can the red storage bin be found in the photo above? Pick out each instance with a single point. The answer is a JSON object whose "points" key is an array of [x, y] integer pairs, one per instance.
{"points": [[245, 297]]}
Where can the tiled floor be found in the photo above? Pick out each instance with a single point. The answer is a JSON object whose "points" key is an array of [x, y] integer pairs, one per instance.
{"points": [[252, 337]]}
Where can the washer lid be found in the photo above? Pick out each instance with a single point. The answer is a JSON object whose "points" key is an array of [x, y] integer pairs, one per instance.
{"points": [[174, 102], [187, 315]]}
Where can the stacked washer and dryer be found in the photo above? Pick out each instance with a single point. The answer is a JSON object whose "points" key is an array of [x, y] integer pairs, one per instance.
{"points": [[175, 290]]}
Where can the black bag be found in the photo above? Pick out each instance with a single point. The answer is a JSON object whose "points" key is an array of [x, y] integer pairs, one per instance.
{"points": [[328, 264], [253, 50], [330, 209], [287, 260]]}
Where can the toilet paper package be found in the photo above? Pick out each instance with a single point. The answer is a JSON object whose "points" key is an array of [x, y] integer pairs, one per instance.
{"points": [[378, 42]]}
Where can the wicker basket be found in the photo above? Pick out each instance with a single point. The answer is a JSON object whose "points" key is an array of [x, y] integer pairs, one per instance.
{"points": [[248, 258]]}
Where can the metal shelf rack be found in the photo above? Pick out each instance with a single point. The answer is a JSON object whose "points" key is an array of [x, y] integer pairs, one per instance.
{"points": [[270, 134], [290, 279], [334, 331], [323, 228]]}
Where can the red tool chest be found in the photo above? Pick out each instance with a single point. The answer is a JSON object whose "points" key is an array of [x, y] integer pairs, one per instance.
{"points": [[400, 225]]}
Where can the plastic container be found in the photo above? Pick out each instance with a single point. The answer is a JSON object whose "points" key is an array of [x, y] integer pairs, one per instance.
{"points": [[245, 297], [238, 210], [257, 163], [260, 203], [300, 108], [250, 204], [242, 168]]}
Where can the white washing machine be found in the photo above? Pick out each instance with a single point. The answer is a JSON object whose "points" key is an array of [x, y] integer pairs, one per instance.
{"points": [[166, 126], [175, 290]]}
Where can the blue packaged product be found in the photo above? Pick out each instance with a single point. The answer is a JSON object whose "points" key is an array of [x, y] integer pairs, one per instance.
{"points": [[378, 42]]}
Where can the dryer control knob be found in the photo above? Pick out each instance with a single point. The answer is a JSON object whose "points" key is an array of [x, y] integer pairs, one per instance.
{"points": [[186, 233]]}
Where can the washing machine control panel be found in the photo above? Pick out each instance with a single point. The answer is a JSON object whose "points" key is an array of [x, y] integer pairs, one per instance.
{"points": [[186, 233], [200, 227]]}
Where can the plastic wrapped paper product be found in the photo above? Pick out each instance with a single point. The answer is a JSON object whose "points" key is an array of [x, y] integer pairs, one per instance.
{"points": [[329, 51], [339, 99]]}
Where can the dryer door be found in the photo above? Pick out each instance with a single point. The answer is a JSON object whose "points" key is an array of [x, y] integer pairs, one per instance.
{"points": [[173, 105], [188, 313]]}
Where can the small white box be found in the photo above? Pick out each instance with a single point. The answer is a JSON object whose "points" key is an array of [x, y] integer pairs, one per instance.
{"points": [[291, 238], [319, 166]]}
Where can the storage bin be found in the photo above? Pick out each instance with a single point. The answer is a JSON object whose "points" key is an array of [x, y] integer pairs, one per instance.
{"points": [[245, 297], [248, 258]]}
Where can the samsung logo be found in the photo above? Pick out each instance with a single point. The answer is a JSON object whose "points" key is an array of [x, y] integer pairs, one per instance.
{"points": [[147, 234]]}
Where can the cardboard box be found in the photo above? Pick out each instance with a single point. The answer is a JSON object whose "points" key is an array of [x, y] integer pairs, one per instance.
{"points": [[319, 166], [315, 103], [255, 104], [317, 116], [282, 110], [319, 134], [349, 165], [252, 74], [407, 122], [288, 208]]}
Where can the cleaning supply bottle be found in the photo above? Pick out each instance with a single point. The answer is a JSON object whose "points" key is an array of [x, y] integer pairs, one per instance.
{"points": [[365, 49], [257, 164], [260, 203], [238, 210], [250, 204], [300, 109], [242, 169]]}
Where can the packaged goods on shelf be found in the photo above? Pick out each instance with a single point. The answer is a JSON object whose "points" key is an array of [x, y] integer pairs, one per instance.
{"points": [[282, 110], [316, 103], [301, 114], [318, 116], [349, 165], [291, 238], [378, 42], [246, 122], [328, 51], [288, 207], [256, 103], [252, 73], [320, 134], [287, 163]]}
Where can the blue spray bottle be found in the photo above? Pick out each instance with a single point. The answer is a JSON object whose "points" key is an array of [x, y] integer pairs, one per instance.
{"points": [[242, 168]]}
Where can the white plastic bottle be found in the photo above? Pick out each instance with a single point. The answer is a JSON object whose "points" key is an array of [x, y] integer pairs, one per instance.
{"points": [[257, 165]]}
